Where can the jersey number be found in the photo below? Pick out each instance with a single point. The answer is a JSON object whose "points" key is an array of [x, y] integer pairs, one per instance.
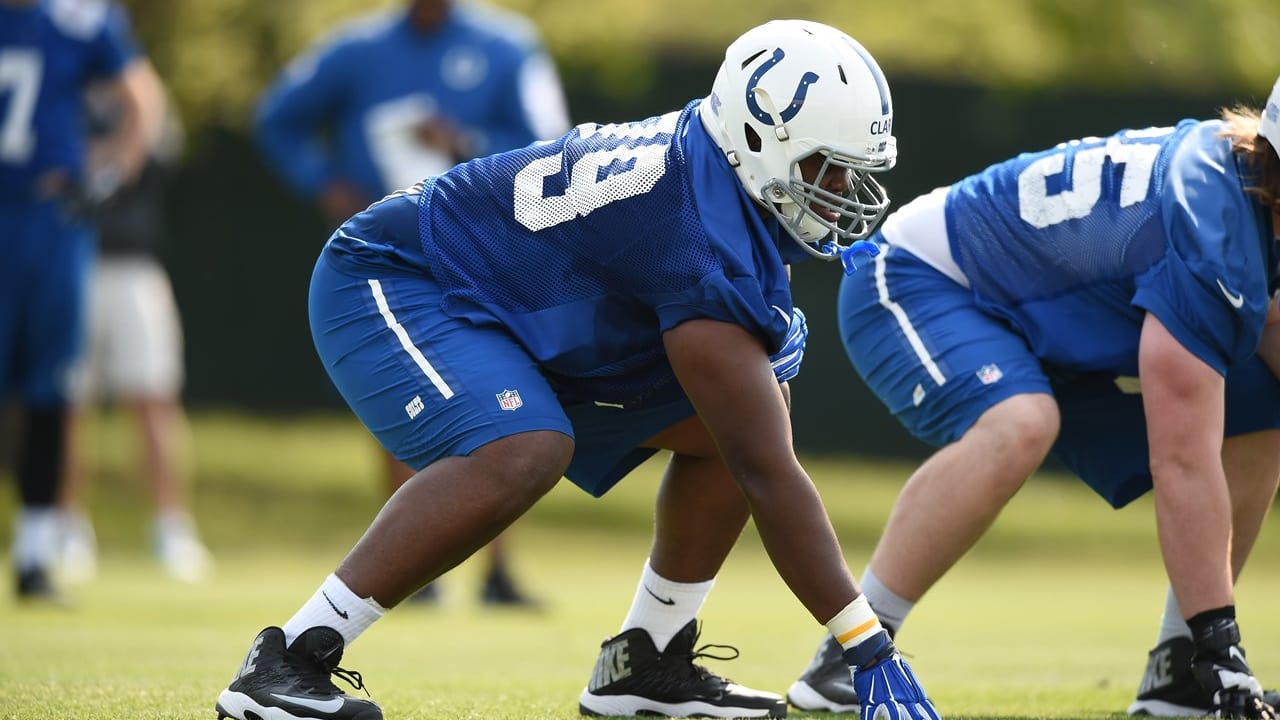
{"points": [[597, 178], [20, 80], [1040, 209]]}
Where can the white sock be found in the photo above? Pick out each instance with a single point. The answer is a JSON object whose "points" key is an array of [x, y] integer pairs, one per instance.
{"points": [[891, 608], [663, 607], [35, 537], [1171, 623], [335, 606]]}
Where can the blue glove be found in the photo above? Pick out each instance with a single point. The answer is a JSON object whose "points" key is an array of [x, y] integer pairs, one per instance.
{"points": [[885, 684], [786, 362]]}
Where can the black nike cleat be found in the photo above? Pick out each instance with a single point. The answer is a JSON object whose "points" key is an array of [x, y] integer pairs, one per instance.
{"points": [[1169, 688], [279, 683], [632, 678]]}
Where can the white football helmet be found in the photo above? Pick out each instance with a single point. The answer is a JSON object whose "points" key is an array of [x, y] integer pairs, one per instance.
{"points": [[788, 89]]}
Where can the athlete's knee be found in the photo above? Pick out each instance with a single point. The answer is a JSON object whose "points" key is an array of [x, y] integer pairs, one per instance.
{"points": [[1024, 426], [531, 462]]}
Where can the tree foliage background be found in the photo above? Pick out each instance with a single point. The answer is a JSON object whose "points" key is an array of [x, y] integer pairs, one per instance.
{"points": [[219, 54]]}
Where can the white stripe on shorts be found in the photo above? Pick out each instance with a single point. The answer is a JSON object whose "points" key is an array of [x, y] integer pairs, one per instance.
{"points": [[406, 343], [904, 322]]}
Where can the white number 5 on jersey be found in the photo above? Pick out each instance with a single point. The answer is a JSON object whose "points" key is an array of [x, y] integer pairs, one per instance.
{"points": [[1040, 209]]}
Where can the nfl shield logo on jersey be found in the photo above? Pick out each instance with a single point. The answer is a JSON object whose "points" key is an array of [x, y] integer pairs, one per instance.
{"points": [[509, 400], [988, 374]]}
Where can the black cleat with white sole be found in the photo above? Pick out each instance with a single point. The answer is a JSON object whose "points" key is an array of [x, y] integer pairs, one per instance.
{"points": [[632, 678], [293, 683], [826, 685]]}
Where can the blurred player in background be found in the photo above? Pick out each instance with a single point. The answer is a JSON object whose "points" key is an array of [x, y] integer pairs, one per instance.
{"points": [[398, 96], [568, 309], [134, 350], [49, 54], [1011, 316]]}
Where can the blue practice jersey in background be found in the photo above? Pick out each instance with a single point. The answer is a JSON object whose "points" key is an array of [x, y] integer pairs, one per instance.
{"points": [[49, 52], [586, 249], [1075, 244], [372, 85]]}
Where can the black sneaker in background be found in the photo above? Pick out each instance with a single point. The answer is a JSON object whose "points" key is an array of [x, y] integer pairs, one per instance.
{"points": [[35, 586], [428, 594], [294, 683], [826, 685], [500, 590], [632, 678], [1169, 689]]}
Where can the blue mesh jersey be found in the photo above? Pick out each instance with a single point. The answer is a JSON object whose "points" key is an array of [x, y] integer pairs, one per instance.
{"points": [[49, 52], [1075, 244], [589, 247], [351, 106]]}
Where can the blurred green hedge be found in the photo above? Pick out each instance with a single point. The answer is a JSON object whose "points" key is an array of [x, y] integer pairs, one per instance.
{"points": [[219, 54]]}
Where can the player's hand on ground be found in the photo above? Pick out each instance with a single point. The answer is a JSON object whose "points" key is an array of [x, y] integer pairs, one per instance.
{"points": [[786, 362], [1219, 665], [1236, 692], [889, 690]]}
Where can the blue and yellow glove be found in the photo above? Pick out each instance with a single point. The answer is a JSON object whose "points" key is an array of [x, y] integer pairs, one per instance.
{"points": [[786, 362]]}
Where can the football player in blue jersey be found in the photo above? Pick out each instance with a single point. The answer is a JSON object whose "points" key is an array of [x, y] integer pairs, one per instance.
{"points": [[1012, 314], [566, 310], [399, 95], [50, 50]]}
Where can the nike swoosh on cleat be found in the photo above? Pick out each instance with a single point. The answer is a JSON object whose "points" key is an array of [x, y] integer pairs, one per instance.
{"points": [[325, 706], [341, 613], [664, 601], [1235, 652], [1236, 299]]}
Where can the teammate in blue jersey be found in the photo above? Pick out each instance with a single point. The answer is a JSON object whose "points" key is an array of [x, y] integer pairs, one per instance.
{"points": [[1011, 316], [567, 309], [399, 95], [50, 50], [402, 94]]}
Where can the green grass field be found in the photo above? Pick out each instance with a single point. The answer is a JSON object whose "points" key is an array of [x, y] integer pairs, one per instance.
{"points": [[1050, 616]]}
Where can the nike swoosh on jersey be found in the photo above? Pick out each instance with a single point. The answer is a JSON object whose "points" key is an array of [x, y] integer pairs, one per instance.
{"points": [[326, 706], [1236, 299]]}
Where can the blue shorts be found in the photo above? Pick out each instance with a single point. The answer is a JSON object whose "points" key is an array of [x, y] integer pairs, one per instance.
{"points": [[429, 386], [44, 270], [937, 362], [924, 348], [1104, 429]]}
